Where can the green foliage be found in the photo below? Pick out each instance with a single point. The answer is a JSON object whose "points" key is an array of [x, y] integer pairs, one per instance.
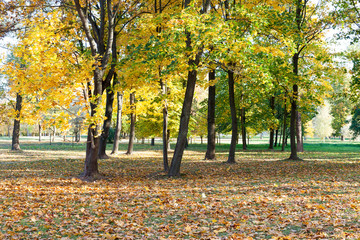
{"points": [[355, 122]]}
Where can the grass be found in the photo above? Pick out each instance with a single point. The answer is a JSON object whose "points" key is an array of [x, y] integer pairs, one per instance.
{"points": [[260, 197]]}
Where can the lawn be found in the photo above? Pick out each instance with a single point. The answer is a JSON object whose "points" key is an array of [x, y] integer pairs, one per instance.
{"points": [[260, 197]]}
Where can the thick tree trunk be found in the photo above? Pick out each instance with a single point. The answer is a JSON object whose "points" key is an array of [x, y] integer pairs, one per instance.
{"points": [[107, 123], [132, 124], [118, 124], [91, 170], [299, 137], [234, 133], [15, 145], [243, 128], [152, 141], [211, 136]]}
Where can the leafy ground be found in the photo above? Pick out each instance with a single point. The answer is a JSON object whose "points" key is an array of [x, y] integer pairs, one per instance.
{"points": [[260, 197]]}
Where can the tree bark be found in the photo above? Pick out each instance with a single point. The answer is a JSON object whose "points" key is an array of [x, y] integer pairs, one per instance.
{"points": [[299, 137], [165, 137], [211, 136], [39, 132], [132, 124], [272, 107], [276, 137], [284, 130], [294, 99], [107, 123], [234, 133], [174, 170], [91, 170], [118, 123], [15, 145]]}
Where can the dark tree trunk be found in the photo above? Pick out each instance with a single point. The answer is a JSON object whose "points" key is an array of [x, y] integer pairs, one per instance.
{"points": [[210, 152], [284, 140], [132, 124], [152, 141], [165, 138], [294, 99], [107, 123], [211, 136], [243, 128], [299, 137], [184, 121], [39, 132], [91, 170], [118, 124], [234, 133], [186, 109], [276, 137], [15, 145], [272, 107]]}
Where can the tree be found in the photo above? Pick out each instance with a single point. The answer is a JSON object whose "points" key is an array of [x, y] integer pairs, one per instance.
{"points": [[322, 122], [193, 63]]}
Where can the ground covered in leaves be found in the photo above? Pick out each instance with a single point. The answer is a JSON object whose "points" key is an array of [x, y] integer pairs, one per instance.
{"points": [[260, 197]]}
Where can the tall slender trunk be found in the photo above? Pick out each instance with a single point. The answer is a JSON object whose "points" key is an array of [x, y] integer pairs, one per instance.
{"points": [[243, 128], [165, 136], [118, 123], [39, 132], [234, 133], [284, 129], [132, 124], [15, 145], [186, 109], [299, 136], [294, 99], [211, 136], [276, 137], [110, 96], [272, 131], [184, 124]]}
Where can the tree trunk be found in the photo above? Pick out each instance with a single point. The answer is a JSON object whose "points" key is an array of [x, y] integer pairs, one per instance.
{"points": [[184, 121], [243, 128], [284, 130], [118, 124], [272, 107], [165, 138], [299, 137], [15, 145], [152, 141], [91, 170], [186, 109], [39, 132], [132, 124], [107, 123], [210, 152], [293, 117], [276, 137], [234, 133]]}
